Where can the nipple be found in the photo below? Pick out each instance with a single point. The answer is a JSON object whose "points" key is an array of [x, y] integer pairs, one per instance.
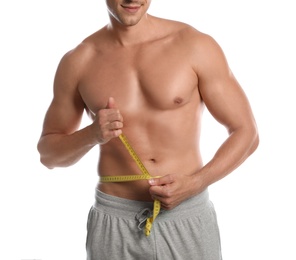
{"points": [[178, 100]]}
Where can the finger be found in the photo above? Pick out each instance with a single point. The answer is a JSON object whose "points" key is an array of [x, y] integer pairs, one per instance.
{"points": [[164, 194], [167, 179], [113, 133], [111, 103], [115, 125], [110, 130], [114, 112], [157, 192], [111, 115]]}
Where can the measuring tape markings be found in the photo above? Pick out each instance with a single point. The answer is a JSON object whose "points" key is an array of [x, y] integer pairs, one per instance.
{"points": [[126, 178], [144, 176], [134, 155], [149, 221]]}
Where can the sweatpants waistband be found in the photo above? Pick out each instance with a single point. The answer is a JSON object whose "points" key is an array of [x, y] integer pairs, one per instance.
{"points": [[126, 208]]}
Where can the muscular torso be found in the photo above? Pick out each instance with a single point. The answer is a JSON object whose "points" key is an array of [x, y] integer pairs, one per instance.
{"points": [[156, 91]]}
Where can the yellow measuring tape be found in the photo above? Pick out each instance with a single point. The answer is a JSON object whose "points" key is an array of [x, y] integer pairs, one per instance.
{"points": [[144, 176]]}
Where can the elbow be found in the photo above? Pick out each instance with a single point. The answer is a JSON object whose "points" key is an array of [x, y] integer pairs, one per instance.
{"points": [[52, 159], [45, 160], [255, 140], [52, 162], [46, 163]]}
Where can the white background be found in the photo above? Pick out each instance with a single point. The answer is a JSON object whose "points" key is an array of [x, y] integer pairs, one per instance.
{"points": [[44, 212]]}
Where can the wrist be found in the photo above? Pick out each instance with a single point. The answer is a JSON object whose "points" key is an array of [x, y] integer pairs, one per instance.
{"points": [[200, 181]]}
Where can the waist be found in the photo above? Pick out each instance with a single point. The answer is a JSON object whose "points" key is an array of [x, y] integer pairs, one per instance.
{"points": [[135, 190], [126, 208], [125, 186], [122, 163]]}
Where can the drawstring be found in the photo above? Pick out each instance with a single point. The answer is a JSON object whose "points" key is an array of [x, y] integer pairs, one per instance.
{"points": [[142, 217]]}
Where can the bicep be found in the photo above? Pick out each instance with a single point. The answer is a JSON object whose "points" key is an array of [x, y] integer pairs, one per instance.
{"points": [[221, 92], [227, 103], [66, 109]]}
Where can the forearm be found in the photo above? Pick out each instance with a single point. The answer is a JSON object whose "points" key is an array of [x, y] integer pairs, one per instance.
{"points": [[61, 150], [231, 154]]}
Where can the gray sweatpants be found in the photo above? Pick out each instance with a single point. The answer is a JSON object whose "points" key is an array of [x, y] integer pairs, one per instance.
{"points": [[189, 231]]}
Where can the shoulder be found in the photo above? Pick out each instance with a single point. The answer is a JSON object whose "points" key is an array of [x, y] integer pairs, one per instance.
{"points": [[71, 67], [200, 47], [201, 50], [85, 51], [194, 38], [76, 57], [185, 34]]}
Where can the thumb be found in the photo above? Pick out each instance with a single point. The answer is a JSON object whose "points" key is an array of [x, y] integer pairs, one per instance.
{"points": [[111, 103], [161, 180]]}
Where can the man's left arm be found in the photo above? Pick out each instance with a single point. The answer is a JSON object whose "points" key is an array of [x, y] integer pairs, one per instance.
{"points": [[228, 104]]}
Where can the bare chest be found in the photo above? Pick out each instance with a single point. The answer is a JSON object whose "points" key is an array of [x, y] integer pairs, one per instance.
{"points": [[150, 78]]}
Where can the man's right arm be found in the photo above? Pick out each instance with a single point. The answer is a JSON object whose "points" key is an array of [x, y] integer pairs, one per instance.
{"points": [[62, 143]]}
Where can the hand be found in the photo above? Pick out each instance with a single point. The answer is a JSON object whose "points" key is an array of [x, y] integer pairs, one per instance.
{"points": [[172, 189], [108, 122]]}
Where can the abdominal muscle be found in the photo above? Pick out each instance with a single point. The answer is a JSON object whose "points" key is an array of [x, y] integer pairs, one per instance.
{"points": [[159, 160], [166, 139]]}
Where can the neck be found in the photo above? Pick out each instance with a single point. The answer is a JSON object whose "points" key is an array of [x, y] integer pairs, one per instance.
{"points": [[127, 35]]}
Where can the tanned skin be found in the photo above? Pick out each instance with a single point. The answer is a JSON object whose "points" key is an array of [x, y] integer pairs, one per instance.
{"points": [[150, 79]]}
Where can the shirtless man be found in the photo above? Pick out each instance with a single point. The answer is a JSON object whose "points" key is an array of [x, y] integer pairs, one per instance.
{"points": [[150, 79]]}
